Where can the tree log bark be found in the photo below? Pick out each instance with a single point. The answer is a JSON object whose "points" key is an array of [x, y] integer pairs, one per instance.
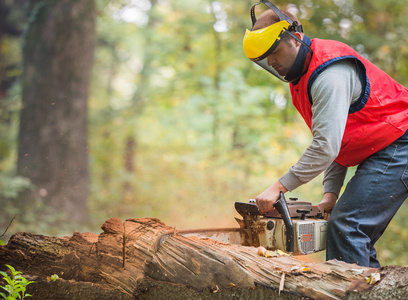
{"points": [[123, 262]]}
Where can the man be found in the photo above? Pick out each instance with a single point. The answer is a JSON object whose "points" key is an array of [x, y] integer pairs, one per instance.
{"points": [[357, 114]]}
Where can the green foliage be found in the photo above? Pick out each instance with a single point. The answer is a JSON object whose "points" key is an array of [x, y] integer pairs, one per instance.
{"points": [[16, 285], [10, 187], [54, 277]]}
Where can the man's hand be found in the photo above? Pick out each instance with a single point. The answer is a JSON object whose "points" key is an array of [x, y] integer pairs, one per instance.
{"points": [[267, 198], [327, 204]]}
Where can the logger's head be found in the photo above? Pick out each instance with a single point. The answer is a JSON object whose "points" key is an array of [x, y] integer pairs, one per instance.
{"points": [[274, 41]]}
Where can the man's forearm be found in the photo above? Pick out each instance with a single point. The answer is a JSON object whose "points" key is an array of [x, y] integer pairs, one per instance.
{"points": [[334, 178]]}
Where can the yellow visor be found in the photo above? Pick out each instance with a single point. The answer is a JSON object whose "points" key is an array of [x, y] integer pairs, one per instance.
{"points": [[258, 44]]}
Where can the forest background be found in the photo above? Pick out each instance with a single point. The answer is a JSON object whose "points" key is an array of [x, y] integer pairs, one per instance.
{"points": [[149, 108]]}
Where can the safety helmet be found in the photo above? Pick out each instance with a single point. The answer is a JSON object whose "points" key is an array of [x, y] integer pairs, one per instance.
{"points": [[259, 44]]}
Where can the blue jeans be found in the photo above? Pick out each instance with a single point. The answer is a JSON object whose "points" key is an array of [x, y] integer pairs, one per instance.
{"points": [[369, 202]]}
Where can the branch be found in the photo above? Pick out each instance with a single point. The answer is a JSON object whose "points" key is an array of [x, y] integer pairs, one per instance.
{"points": [[8, 227]]}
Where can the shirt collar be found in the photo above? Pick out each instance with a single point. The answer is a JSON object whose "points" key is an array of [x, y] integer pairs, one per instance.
{"points": [[301, 63]]}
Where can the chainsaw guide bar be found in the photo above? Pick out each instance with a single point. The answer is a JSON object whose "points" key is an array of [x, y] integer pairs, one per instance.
{"points": [[296, 227]]}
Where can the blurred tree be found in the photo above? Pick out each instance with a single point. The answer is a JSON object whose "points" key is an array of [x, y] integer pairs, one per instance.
{"points": [[10, 26], [57, 57], [12, 20]]}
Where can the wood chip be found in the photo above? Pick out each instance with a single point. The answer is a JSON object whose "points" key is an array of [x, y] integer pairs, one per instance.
{"points": [[282, 283], [261, 251]]}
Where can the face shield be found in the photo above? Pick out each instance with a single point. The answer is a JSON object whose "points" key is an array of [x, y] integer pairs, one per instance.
{"points": [[259, 44]]}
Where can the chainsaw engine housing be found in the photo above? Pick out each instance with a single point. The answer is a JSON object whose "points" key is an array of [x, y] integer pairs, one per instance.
{"points": [[309, 234], [293, 226]]}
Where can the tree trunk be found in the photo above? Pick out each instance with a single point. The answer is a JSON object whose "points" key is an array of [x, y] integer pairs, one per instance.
{"points": [[125, 262], [57, 56]]}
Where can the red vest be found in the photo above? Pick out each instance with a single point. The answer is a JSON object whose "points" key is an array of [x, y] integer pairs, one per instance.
{"points": [[375, 120]]}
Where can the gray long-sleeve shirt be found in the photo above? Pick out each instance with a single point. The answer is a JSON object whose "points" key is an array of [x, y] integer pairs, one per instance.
{"points": [[333, 91]]}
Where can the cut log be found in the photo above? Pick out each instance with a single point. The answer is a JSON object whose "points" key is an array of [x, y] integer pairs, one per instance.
{"points": [[123, 262]]}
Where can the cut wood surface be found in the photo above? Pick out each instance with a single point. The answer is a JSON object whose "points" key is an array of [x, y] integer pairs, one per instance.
{"points": [[125, 262]]}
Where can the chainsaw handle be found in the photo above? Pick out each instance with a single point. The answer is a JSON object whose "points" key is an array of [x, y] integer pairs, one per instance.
{"points": [[282, 207]]}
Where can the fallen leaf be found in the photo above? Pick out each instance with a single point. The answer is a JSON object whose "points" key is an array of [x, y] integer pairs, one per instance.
{"points": [[280, 252], [300, 268], [267, 253], [373, 278], [271, 254]]}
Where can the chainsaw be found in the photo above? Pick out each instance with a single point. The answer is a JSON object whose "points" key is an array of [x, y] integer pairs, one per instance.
{"points": [[296, 227]]}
